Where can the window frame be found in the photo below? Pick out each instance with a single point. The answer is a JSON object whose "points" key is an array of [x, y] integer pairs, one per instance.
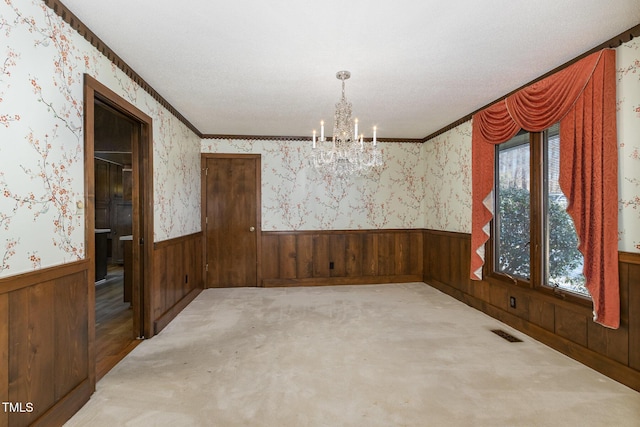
{"points": [[537, 229]]}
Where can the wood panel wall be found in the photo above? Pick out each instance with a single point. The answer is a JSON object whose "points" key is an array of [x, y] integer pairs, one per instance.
{"points": [[46, 356], [44, 344], [300, 258], [44, 319], [565, 326], [177, 277]]}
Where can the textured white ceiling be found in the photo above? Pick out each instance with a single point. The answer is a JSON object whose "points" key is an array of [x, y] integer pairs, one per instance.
{"points": [[252, 67]]}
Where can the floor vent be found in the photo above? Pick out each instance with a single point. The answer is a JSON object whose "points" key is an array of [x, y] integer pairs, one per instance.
{"points": [[507, 336]]}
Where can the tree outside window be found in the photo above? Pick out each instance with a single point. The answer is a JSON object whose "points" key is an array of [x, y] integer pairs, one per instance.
{"points": [[530, 214]]}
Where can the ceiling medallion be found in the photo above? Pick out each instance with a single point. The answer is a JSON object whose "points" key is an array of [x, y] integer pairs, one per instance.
{"points": [[346, 154]]}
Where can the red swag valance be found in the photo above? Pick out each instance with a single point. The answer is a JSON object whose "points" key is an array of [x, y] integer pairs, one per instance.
{"points": [[582, 97]]}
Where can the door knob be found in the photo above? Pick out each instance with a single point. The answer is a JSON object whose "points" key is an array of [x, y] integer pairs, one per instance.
{"points": [[252, 229]]}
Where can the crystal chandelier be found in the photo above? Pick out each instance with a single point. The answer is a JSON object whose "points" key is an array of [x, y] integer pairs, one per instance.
{"points": [[346, 154]]}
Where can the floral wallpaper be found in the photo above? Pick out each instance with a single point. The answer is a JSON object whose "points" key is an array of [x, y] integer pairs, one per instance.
{"points": [[295, 197], [424, 185], [42, 62], [448, 162], [628, 102], [176, 175], [448, 174]]}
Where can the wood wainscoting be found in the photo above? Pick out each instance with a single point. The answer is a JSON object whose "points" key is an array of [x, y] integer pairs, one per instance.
{"points": [[45, 358], [177, 277], [310, 258], [47, 329], [565, 326]]}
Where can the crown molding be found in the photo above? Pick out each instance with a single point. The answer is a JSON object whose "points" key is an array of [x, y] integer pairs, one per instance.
{"points": [[256, 137], [297, 138], [68, 16], [612, 43]]}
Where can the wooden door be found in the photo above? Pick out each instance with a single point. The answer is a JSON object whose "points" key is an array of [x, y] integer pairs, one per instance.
{"points": [[232, 219]]}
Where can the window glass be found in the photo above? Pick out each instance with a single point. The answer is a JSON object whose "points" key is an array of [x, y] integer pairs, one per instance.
{"points": [[512, 251], [563, 260]]}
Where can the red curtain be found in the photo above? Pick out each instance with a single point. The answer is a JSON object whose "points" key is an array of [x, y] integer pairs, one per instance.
{"points": [[582, 97]]}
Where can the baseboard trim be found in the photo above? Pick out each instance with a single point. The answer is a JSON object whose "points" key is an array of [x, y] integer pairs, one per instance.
{"points": [[160, 323], [340, 281], [66, 407], [609, 367]]}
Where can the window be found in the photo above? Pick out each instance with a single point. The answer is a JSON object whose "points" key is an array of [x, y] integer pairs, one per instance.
{"points": [[534, 239]]}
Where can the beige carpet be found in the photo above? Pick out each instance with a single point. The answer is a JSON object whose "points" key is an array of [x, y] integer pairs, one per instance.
{"points": [[380, 355]]}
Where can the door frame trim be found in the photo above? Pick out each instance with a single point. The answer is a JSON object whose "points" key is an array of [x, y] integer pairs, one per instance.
{"points": [[203, 206], [94, 90]]}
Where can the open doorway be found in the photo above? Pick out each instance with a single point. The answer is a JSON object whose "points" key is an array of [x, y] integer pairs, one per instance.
{"points": [[114, 135], [119, 184]]}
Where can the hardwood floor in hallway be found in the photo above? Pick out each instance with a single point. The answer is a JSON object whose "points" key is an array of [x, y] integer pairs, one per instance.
{"points": [[114, 322]]}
